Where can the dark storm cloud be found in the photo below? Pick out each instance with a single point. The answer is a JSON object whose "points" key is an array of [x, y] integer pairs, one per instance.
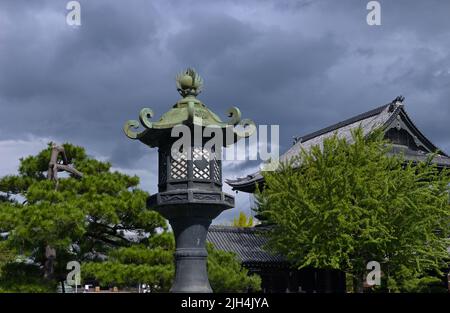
{"points": [[259, 69], [300, 64], [75, 83]]}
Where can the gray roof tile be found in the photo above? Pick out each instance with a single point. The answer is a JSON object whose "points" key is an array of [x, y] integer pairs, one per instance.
{"points": [[247, 243]]}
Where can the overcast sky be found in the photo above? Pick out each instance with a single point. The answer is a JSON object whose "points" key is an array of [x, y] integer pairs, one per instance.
{"points": [[300, 64]]}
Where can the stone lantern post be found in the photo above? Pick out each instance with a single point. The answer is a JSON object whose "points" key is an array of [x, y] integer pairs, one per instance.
{"points": [[189, 138]]}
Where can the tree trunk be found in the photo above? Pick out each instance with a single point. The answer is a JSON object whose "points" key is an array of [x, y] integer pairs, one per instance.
{"points": [[358, 283]]}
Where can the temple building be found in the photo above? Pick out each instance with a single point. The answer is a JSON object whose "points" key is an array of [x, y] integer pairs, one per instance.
{"points": [[405, 137], [249, 243]]}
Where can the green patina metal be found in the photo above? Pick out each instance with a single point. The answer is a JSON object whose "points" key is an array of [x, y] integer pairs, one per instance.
{"points": [[190, 192], [188, 111]]}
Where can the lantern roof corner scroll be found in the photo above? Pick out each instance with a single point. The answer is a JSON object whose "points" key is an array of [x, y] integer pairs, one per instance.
{"points": [[187, 111]]}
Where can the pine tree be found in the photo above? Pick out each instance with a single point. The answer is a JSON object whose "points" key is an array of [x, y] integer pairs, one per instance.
{"points": [[100, 220]]}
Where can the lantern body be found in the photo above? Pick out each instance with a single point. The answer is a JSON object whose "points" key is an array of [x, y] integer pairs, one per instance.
{"points": [[190, 196]]}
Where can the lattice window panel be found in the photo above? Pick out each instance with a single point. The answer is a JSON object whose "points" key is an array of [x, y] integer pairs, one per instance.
{"points": [[201, 167], [178, 165], [162, 167], [216, 170]]}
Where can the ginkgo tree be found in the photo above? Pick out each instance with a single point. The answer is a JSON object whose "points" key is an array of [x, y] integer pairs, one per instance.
{"points": [[243, 221], [99, 220], [350, 202]]}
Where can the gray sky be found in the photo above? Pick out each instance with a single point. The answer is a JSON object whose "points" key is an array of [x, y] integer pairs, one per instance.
{"points": [[300, 64]]}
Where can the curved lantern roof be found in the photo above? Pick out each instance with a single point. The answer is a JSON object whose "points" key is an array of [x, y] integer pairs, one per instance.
{"points": [[187, 111]]}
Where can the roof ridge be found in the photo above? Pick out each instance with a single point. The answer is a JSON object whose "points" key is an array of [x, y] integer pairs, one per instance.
{"points": [[344, 123], [232, 229]]}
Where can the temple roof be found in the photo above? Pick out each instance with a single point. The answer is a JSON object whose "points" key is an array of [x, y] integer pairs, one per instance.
{"points": [[388, 116], [248, 243]]}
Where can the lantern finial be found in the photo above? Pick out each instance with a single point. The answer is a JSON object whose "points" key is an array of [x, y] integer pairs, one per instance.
{"points": [[189, 83]]}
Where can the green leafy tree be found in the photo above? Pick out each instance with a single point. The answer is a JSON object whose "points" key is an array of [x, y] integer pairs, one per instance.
{"points": [[100, 220], [346, 204], [243, 221], [154, 266], [227, 275], [151, 264]]}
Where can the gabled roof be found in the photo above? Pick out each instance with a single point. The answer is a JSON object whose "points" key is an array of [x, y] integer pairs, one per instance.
{"points": [[387, 116], [350, 121], [248, 243], [367, 121]]}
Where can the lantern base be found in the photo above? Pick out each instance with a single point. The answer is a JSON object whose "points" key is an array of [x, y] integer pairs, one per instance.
{"points": [[190, 212], [191, 273]]}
